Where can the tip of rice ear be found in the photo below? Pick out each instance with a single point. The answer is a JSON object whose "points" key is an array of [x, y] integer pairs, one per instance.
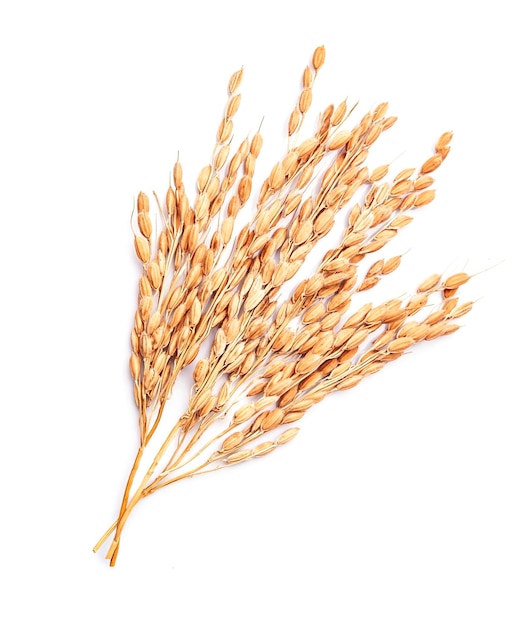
{"points": [[456, 280], [287, 436], [235, 81], [318, 58]]}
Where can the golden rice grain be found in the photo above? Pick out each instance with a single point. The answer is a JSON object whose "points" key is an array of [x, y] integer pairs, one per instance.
{"points": [[456, 280], [318, 58], [305, 100]]}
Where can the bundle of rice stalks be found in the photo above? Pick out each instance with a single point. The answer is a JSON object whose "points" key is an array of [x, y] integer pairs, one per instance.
{"points": [[222, 293]]}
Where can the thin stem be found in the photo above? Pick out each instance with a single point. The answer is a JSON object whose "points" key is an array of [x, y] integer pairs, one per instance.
{"points": [[98, 545], [127, 508], [128, 486], [178, 464], [154, 487]]}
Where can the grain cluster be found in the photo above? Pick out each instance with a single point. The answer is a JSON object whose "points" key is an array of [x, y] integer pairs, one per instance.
{"points": [[211, 293]]}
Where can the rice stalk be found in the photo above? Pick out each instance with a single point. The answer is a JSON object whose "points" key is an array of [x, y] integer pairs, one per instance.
{"points": [[212, 296]]}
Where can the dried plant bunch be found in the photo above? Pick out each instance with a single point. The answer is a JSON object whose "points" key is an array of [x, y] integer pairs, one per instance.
{"points": [[264, 344]]}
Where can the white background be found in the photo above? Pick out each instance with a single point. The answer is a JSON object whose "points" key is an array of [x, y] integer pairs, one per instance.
{"points": [[403, 501]]}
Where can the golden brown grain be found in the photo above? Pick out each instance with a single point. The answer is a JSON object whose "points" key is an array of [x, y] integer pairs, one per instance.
{"points": [[318, 58], [456, 280]]}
